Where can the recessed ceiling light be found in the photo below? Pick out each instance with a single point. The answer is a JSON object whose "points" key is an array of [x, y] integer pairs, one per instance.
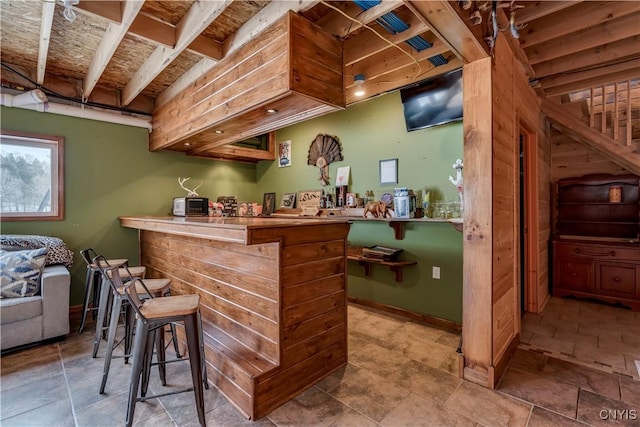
{"points": [[218, 131], [187, 144], [271, 111]]}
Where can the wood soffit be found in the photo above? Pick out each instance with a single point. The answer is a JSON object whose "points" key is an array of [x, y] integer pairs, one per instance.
{"points": [[136, 56]]}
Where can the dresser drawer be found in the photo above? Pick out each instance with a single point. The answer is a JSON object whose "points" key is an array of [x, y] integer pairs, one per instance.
{"points": [[574, 274], [617, 279], [597, 251]]}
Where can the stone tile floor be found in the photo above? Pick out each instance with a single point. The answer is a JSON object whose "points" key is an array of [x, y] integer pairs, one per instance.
{"points": [[400, 373], [592, 334]]}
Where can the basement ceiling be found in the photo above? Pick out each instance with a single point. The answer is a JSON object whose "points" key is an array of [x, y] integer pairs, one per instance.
{"points": [[135, 56]]}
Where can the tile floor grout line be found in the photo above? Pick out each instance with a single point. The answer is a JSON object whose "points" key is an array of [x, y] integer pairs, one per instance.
{"points": [[66, 380], [348, 406]]}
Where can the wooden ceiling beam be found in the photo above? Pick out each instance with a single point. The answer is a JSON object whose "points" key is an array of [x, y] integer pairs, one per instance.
{"points": [[154, 31], [109, 10], [622, 155], [598, 80], [48, 8], [539, 9], [588, 38], [108, 45], [367, 43], [598, 73], [261, 20], [402, 77], [446, 24], [591, 57], [194, 22], [566, 22], [339, 25], [392, 59], [162, 33]]}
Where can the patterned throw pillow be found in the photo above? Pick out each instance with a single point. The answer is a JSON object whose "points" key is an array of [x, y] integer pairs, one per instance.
{"points": [[21, 271]]}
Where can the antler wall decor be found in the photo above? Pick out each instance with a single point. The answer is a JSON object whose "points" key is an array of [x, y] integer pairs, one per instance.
{"points": [[190, 193], [324, 150]]}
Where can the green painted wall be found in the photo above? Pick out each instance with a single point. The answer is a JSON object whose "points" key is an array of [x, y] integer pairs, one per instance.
{"points": [[369, 132], [108, 173]]}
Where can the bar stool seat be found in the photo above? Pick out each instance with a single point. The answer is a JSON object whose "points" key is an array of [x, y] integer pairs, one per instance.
{"points": [[178, 305], [130, 272], [125, 273]]}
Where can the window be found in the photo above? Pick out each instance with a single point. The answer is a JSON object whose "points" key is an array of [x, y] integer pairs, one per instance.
{"points": [[31, 176]]}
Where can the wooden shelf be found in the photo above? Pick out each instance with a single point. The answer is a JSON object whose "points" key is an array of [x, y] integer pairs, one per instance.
{"points": [[355, 254]]}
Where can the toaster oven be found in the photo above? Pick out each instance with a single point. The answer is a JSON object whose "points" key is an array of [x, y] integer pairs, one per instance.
{"points": [[190, 206]]}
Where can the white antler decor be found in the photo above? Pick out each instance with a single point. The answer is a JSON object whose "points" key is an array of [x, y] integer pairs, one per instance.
{"points": [[190, 193], [458, 166]]}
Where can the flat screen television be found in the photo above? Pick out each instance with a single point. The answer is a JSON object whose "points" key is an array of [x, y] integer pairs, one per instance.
{"points": [[433, 102]]}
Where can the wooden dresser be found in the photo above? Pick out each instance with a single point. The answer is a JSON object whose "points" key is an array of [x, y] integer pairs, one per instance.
{"points": [[596, 247]]}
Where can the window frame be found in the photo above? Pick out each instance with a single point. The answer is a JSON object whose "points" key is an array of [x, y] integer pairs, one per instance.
{"points": [[57, 203]]}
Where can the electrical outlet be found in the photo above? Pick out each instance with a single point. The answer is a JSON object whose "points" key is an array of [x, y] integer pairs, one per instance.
{"points": [[436, 272]]}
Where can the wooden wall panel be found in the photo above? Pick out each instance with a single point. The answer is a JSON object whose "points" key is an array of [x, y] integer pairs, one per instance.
{"points": [[316, 63], [570, 158], [505, 214], [477, 229], [273, 300], [167, 128], [491, 299]]}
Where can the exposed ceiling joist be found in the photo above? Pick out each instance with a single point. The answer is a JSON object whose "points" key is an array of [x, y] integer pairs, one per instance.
{"points": [[108, 45], [367, 43], [342, 26], [404, 76], [539, 9], [268, 15], [560, 24], [618, 29], [594, 78], [394, 58], [48, 8], [196, 20], [589, 58], [445, 23], [162, 33], [108, 9]]}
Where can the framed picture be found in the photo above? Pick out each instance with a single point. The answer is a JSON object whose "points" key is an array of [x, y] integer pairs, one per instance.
{"points": [[288, 200], [342, 176], [389, 171], [268, 203], [284, 154]]}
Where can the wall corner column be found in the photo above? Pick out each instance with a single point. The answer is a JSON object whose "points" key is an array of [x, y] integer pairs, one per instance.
{"points": [[477, 233]]}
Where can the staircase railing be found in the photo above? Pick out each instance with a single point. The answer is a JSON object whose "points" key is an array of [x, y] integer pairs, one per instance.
{"points": [[613, 114]]}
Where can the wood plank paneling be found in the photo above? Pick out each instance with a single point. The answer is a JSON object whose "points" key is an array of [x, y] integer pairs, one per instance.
{"points": [[309, 309], [477, 231], [505, 215], [492, 231], [290, 58], [570, 158], [265, 342]]}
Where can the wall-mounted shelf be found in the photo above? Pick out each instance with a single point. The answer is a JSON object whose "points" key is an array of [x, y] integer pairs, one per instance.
{"points": [[355, 254], [355, 214]]}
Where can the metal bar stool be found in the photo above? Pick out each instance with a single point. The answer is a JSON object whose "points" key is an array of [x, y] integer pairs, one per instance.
{"points": [[152, 315], [127, 273], [92, 284], [149, 288]]}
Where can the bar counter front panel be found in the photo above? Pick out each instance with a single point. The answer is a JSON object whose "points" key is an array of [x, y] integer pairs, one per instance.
{"points": [[272, 296]]}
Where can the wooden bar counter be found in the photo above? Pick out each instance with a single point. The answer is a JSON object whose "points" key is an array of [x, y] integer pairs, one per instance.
{"points": [[273, 298]]}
